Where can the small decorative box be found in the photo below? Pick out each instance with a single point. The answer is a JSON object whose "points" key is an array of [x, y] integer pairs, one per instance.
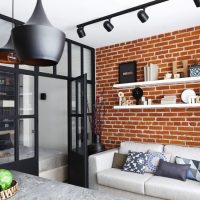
{"points": [[194, 71], [128, 72]]}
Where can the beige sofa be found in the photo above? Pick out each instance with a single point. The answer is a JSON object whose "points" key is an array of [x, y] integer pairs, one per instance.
{"points": [[142, 186]]}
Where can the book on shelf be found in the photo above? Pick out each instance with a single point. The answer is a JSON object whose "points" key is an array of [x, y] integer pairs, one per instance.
{"points": [[7, 103], [151, 72]]}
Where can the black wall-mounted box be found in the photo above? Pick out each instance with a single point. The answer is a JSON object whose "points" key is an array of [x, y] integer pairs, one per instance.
{"points": [[43, 96]]}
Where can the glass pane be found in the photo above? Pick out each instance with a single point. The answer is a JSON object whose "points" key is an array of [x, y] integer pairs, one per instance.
{"points": [[73, 133], [48, 70], [53, 116], [26, 95], [79, 98], [5, 32], [73, 84], [79, 135], [7, 140], [7, 93], [27, 67], [7, 111], [87, 63], [26, 139], [76, 60], [89, 98], [62, 66], [89, 129]]}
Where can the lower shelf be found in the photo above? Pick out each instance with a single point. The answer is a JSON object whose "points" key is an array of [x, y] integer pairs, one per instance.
{"points": [[159, 106]]}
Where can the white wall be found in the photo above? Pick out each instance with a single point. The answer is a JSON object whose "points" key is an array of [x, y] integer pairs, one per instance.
{"points": [[53, 131]]}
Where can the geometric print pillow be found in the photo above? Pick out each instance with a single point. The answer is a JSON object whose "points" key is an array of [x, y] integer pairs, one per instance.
{"points": [[135, 162], [153, 160], [194, 170]]}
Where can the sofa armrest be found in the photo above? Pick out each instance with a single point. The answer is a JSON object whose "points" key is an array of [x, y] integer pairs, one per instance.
{"points": [[99, 162]]}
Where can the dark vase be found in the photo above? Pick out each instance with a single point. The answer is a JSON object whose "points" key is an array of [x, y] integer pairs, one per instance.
{"points": [[96, 147]]}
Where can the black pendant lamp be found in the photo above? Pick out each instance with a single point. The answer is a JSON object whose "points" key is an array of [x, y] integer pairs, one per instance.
{"points": [[7, 54], [37, 42]]}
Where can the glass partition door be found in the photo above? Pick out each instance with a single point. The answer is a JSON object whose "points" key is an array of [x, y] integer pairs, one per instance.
{"points": [[78, 156]]}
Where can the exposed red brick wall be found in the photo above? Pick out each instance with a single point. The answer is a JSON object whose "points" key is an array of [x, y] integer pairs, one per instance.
{"points": [[167, 125]]}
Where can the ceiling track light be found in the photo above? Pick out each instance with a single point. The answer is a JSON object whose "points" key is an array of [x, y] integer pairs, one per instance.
{"points": [[142, 15], [37, 42], [81, 32], [108, 26], [197, 3]]}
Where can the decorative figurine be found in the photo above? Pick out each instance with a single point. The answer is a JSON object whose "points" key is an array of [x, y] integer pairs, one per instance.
{"points": [[168, 76], [194, 99], [137, 94], [183, 69]]}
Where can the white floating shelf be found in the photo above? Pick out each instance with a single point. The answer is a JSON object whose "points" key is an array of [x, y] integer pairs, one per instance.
{"points": [[158, 106], [157, 82]]}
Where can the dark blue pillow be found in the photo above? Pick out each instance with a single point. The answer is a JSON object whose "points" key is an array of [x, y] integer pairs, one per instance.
{"points": [[135, 162], [172, 170]]}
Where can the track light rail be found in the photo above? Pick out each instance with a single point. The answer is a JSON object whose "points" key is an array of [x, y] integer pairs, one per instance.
{"points": [[143, 6]]}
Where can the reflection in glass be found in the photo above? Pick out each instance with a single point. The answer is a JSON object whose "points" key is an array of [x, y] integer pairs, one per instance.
{"points": [[7, 94], [4, 36], [27, 67], [89, 129], [7, 110], [26, 138], [26, 95], [73, 133], [76, 60], [87, 63], [7, 153], [89, 98], [62, 66], [48, 70]]}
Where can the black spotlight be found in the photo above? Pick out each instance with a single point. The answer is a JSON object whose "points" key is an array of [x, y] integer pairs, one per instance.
{"points": [[142, 15], [108, 26], [81, 32], [197, 3]]}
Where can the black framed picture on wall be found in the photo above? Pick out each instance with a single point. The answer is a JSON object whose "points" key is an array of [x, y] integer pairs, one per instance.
{"points": [[128, 72]]}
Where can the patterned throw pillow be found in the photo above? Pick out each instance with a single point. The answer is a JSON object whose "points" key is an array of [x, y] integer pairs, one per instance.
{"points": [[153, 160], [194, 171], [135, 162]]}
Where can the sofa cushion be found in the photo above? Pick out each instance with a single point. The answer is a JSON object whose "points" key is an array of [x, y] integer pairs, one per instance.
{"points": [[139, 147], [135, 162], [194, 171], [166, 188], [153, 160], [119, 160], [172, 170], [127, 181], [183, 152]]}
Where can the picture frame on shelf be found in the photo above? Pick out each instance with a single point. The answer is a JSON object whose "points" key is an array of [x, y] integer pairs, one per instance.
{"points": [[194, 71], [128, 72]]}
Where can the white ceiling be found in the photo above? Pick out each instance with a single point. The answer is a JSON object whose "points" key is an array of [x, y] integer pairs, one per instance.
{"points": [[65, 14]]}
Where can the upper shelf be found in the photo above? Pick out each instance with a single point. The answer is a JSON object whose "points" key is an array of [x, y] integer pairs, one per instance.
{"points": [[159, 106], [157, 82]]}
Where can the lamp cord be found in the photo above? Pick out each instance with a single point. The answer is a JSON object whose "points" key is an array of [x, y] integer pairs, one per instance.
{"points": [[12, 14]]}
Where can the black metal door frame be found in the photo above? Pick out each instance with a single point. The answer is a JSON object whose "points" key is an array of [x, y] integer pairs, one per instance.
{"points": [[78, 155]]}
